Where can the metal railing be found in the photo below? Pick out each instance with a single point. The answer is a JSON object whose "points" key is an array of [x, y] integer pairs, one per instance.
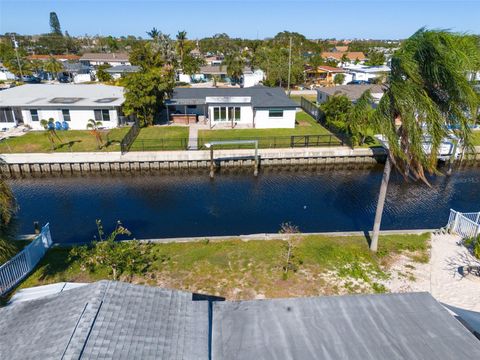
{"points": [[18, 267], [159, 144], [464, 224], [274, 142], [129, 138]]}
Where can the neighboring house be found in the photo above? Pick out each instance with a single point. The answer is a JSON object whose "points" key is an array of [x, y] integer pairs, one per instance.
{"points": [[352, 56], [77, 72], [214, 60], [250, 77], [366, 73], [339, 48], [112, 59], [352, 92], [115, 320], [322, 75], [118, 71], [74, 104], [256, 107], [5, 75]]}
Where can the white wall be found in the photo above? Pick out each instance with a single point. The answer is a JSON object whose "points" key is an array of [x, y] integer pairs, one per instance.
{"points": [[79, 118], [246, 115], [263, 121]]}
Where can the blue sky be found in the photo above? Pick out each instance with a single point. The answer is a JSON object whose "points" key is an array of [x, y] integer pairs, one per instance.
{"points": [[382, 19]]}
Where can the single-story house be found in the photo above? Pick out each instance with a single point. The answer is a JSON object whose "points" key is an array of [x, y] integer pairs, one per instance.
{"points": [[112, 59], [73, 104], [352, 92], [323, 75], [249, 78], [61, 57], [115, 320], [256, 107], [120, 70], [366, 73], [5, 75]]}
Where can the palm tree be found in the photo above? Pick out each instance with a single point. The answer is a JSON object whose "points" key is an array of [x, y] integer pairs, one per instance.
{"points": [[53, 66], [153, 33], [344, 59], [427, 91], [8, 207], [49, 126], [181, 39], [235, 65], [93, 126]]}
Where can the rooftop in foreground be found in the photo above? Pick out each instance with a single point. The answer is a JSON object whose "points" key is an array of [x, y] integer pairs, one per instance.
{"points": [[113, 320]]}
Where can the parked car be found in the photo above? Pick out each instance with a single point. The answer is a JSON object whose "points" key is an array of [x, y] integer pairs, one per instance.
{"points": [[30, 79]]}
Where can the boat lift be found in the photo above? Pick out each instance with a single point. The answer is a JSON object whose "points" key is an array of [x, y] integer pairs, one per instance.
{"points": [[212, 144]]}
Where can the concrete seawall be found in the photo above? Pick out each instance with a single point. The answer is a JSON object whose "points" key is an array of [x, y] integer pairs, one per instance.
{"points": [[49, 163]]}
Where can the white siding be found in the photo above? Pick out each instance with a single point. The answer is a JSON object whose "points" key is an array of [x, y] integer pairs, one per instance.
{"points": [[246, 114], [263, 121], [78, 118]]}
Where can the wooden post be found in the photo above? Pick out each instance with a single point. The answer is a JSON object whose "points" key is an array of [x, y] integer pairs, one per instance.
{"points": [[212, 166]]}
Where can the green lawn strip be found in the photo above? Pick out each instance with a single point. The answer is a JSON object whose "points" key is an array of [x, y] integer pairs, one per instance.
{"points": [[476, 138], [297, 98], [71, 140], [161, 138], [269, 138], [239, 269]]}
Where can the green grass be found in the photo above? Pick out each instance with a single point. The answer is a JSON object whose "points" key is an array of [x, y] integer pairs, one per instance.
{"points": [[269, 138], [71, 140], [245, 269], [476, 138], [297, 98], [161, 138]]}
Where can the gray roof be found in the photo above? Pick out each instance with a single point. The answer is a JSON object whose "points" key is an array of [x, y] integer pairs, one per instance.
{"points": [[353, 92], [120, 69], [105, 57], [395, 326], [106, 320], [218, 70], [114, 320], [63, 95], [261, 96]]}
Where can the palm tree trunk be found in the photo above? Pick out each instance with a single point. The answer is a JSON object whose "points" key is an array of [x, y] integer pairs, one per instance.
{"points": [[381, 202]]}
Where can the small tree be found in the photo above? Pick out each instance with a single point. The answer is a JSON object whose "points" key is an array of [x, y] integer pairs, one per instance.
{"points": [[53, 66], [291, 260], [93, 126], [102, 75], [336, 110], [339, 79], [125, 257], [51, 134]]}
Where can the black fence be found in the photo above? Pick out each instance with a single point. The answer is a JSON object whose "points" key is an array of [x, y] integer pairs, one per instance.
{"points": [[314, 111], [159, 144], [129, 138], [273, 142]]}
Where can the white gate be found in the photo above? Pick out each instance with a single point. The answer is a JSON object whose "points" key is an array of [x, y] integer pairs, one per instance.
{"points": [[464, 224], [18, 267]]}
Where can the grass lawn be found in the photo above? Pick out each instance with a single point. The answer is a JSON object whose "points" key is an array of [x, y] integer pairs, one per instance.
{"points": [[305, 125], [71, 140], [239, 269], [297, 98], [161, 138], [476, 138]]}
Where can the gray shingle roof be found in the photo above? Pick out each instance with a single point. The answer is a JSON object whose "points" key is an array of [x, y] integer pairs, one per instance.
{"points": [[352, 92], [262, 96], [106, 320], [395, 326]]}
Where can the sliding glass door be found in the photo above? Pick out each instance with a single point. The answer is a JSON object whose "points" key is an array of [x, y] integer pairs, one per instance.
{"points": [[223, 113]]}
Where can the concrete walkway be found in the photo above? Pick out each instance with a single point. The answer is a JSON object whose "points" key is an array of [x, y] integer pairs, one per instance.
{"points": [[193, 137]]}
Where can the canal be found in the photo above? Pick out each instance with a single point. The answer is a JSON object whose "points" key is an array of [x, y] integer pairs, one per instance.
{"points": [[234, 203]]}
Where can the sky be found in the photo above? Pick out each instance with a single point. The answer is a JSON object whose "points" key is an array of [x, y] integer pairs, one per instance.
{"points": [[341, 19]]}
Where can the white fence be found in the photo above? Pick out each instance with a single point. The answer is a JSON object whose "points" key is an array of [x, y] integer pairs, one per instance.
{"points": [[464, 224], [18, 267]]}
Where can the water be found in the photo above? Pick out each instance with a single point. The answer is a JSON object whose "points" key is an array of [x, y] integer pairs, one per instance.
{"points": [[177, 205]]}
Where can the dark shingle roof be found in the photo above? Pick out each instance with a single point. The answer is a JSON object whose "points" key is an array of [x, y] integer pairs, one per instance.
{"points": [[106, 320], [261, 96], [395, 326]]}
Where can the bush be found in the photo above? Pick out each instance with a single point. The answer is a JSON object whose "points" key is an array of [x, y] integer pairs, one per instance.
{"points": [[473, 244]]}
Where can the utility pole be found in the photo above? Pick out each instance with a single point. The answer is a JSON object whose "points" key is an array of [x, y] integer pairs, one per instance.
{"points": [[289, 66], [15, 45]]}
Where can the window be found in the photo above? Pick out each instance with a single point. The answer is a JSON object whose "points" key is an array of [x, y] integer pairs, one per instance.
{"points": [[34, 115], [6, 115], [234, 113], [275, 113], [66, 114], [220, 113], [102, 115]]}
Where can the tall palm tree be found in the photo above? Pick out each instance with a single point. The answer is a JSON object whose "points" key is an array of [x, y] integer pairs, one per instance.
{"points": [[53, 66], [181, 39], [427, 92], [93, 126], [8, 207], [153, 33], [235, 65]]}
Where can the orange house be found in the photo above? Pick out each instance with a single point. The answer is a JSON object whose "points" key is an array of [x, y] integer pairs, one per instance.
{"points": [[321, 76]]}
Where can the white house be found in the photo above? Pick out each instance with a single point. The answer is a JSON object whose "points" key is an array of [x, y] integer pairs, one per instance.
{"points": [[255, 107], [112, 59], [249, 78], [366, 73], [69, 103]]}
